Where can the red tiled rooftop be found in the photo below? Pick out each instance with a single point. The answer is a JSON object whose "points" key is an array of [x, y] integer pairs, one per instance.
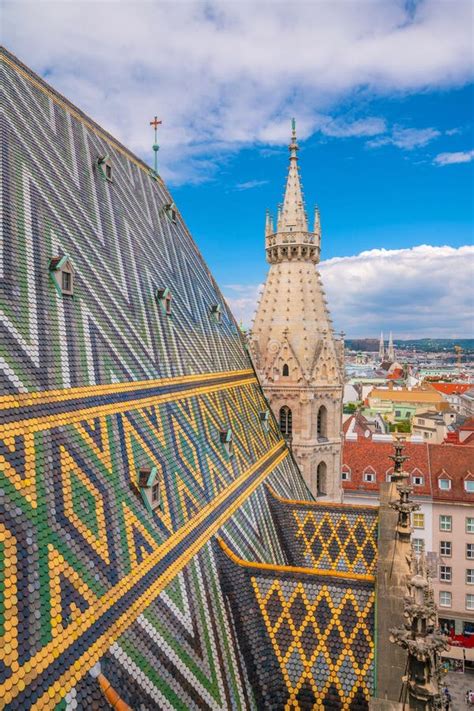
{"points": [[455, 462], [451, 388], [468, 425], [430, 460], [363, 453]]}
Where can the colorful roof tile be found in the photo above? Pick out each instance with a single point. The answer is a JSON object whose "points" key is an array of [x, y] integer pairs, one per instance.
{"points": [[98, 390]]}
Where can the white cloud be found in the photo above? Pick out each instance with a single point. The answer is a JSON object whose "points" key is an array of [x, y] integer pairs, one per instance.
{"points": [[222, 75], [456, 157], [419, 292], [370, 126], [242, 299], [407, 138], [250, 184]]}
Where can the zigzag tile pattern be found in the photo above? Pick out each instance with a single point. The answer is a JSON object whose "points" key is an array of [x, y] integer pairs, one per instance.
{"points": [[97, 387], [328, 537]]}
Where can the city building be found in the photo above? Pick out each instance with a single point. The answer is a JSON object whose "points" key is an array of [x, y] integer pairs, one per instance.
{"points": [[401, 404], [296, 355], [159, 548], [443, 527], [451, 392], [466, 403], [463, 434], [435, 426]]}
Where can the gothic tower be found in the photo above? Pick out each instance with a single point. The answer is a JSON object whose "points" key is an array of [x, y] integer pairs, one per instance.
{"points": [[381, 349], [297, 357], [390, 349]]}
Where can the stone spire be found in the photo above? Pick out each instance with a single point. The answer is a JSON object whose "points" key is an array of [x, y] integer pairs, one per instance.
{"points": [[295, 352], [381, 347], [293, 215], [390, 350], [292, 240]]}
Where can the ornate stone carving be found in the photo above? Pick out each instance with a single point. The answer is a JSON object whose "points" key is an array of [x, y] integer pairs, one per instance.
{"points": [[420, 635]]}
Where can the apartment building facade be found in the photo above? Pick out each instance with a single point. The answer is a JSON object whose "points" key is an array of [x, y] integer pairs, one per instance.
{"points": [[443, 485]]}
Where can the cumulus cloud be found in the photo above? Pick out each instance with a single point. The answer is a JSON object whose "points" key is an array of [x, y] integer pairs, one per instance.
{"points": [[456, 157], [223, 75], [420, 292], [407, 138]]}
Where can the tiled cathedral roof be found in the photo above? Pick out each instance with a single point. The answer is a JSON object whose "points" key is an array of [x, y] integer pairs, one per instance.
{"points": [[104, 394]]}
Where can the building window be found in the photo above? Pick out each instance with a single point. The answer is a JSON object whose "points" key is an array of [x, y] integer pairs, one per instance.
{"points": [[322, 422], [345, 473], [470, 524], [321, 475], [444, 484], [155, 493], [417, 480], [163, 296], [445, 598], [286, 424], [445, 523], [445, 549], [469, 486], [470, 551], [470, 576], [397, 413], [421, 421], [418, 520], [61, 272], [418, 545], [285, 371], [470, 602], [445, 573], [369, 475], [66, 282], [216, 313]]}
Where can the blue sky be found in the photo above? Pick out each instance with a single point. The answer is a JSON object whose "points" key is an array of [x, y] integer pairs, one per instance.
{"points": [[383, 96], [369, 196]]}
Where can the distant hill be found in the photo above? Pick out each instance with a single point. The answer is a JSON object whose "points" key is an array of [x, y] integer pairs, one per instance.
{"points": [[428, 345]]}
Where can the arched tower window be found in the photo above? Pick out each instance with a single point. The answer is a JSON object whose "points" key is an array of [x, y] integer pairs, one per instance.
{"points": [[322, 422], [321, 476], [286, 371], [286, 424]]}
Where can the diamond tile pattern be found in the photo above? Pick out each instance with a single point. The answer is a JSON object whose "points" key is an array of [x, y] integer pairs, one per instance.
{"points": [[309, 638], [332, 537]]}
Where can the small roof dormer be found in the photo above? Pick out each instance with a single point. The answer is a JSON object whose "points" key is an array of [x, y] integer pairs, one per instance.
{"points": [[61, 272]]}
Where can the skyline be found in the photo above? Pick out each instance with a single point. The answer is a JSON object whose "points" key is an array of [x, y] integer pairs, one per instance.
{"points": [[384, 125]]}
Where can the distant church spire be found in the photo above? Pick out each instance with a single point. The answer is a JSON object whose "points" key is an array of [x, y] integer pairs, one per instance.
{"points": [[390, 350], [381, 347], [293, 216]]}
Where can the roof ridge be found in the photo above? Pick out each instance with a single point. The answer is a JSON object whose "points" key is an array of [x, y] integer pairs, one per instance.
{"points": [[16, 64]]}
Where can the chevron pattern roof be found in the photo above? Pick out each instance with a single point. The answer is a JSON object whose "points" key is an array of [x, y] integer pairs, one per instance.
{"points": [[102, 391]]}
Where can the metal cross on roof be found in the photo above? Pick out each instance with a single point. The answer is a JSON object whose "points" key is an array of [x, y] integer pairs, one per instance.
{"points": [[155, 123]]}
